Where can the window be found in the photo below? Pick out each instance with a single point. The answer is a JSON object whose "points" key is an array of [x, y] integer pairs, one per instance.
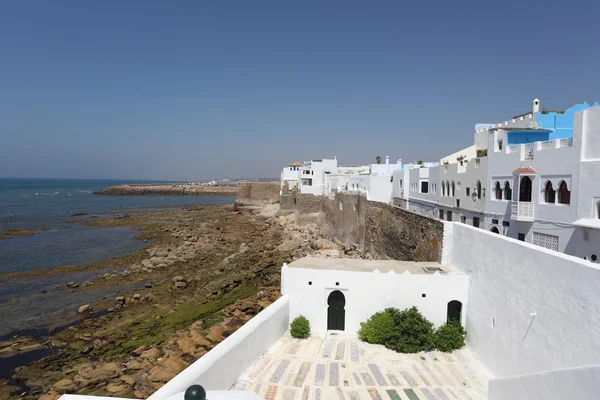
{"points": [[341, 205], [505, 223], [444, 192], [564, 194], [310, 182], [448, 189], [498, 189], [525, 189], [424, 187], [500, 145], [463, 219], [442, 213], [392, 178], [452, 188], [549, 193], [312, 172], [507, 191], [598, 210], [400, 183], [545, 240], [476, 222], [479, 190], [521, 237], [449, 214], [477, 162], [467, 191], [495, 221]]}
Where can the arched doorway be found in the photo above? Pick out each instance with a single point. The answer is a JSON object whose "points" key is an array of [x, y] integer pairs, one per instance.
{"points": [[494, 229], [454, 310], [336, 314], [525, 189]]}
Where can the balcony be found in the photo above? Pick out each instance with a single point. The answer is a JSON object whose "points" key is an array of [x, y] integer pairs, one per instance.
{"points": [[522, 211]]}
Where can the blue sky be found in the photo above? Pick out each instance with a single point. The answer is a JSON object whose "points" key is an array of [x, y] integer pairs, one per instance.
{"points": [[199, 89]]}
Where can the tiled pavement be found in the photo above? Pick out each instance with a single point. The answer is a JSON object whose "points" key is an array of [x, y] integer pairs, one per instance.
{"points": [[341, 367]]}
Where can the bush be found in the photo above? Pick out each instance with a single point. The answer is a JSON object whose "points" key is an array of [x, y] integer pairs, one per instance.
{"points": [[300, 328], [412, 331], [450, 336], [406, 331], [377, 329]]}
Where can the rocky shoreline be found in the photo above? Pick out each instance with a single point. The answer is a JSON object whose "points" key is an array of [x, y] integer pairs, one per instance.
{"points": [[168, 190], [208, 270]]}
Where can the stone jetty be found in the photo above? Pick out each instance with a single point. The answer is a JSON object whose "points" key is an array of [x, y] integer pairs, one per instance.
{"points": [[168, 190]]}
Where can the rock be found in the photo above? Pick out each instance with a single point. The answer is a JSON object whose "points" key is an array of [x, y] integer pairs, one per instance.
{"points": [[290, 245], [112, 366], [178, 278], [88, 375], [150, 354], [136, 364], [49, 396], [199, 339], [215, 334], [84, 308], [120, 299], [128, 380], [159, 374], [324, 244], [137, 296], [187, 346], [173, 364], [331, 253], [72, 285], [139, 394], [64, 386], [116, 387], [148, 285], [180, 285]]}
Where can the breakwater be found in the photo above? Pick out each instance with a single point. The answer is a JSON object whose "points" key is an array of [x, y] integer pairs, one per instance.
{"points": [[167, 190]]}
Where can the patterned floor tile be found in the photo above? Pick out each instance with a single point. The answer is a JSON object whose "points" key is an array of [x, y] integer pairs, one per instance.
{"points": [[411, 394], [271, 392], [354, 352], [367, 379], [341, 351], [289, 394], [354, 395], [320, 375], [257, 388], [409, 379], [393, 380], [334, 374], [305, 392], [327, 349], [340, 394], [356, 378], [440, 394], [278, 374], [427, 393], [378, 375], [393, 394], [374, 394], [304, 368], [318, 394]]}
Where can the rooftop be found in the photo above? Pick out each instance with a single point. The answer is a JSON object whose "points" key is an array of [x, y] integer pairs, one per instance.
{"points": [[341, 366], [296, 164], [384, 266]]}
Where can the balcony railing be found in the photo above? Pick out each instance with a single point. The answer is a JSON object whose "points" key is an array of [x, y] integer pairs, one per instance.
{"points": [[567, 142], [548, 144], [522, 211], [512, 149]]}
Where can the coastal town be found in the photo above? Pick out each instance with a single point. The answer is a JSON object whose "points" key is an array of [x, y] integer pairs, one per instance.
{"points": [[480, 237]]}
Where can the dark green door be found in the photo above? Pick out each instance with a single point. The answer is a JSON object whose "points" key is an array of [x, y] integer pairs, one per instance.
{"points": [[454, 310], [336, 314]]}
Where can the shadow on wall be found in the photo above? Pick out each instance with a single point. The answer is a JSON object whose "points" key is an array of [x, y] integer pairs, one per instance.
{"points": [[385, 231]]}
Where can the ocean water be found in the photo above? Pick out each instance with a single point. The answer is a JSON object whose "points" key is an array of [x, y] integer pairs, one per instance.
{"points": [[33, 302], [49, 203]]}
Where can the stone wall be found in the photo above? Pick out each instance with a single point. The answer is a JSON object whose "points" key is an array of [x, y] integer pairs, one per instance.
{"points": [[385, 231], [257, 192], [288, 198]]}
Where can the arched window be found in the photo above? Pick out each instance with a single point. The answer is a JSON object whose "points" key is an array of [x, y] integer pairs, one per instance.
{"points": [[507, 191], [448, 189], [443, 188], [498, 191], [564, 194], [549, 193], [494, 229], [452, 188], [479, 190], [525, 189]]}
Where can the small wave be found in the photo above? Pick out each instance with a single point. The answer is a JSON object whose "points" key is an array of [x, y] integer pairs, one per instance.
{"points": [[86, 191]]}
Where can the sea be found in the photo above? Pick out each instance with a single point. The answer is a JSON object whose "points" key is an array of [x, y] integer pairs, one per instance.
{"points": [[30, 302]]}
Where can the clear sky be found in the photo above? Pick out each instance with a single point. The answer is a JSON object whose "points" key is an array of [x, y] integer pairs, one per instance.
{"points": [[203, 89]]}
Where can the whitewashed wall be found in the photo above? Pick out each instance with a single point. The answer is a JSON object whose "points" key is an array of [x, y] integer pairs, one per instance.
{"points": [[220, 368], [582, 383], [369, 292], [530, 309]]}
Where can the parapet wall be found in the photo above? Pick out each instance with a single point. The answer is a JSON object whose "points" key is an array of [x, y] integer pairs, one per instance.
{"points": [[254, 193]]}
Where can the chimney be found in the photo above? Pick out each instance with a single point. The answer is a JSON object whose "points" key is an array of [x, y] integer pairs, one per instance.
{"points": [[536, 105]]}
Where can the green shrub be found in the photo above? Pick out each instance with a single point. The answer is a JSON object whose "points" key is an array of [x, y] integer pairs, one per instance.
{"points": [[300, 328], [377, 329], [406, 331], [450, 336], [412, 331]]}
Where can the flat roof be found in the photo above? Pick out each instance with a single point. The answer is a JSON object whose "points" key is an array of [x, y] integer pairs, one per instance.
{"points": [[384, 266]]}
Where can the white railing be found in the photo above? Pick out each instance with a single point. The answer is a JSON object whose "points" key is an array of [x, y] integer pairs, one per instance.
{"points": [[527, 151], [512, 149], [522, 210], [548, 144], [567, 142]]}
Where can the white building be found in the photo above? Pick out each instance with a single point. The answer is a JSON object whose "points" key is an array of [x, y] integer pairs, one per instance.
{"points": [[532, 178]]}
